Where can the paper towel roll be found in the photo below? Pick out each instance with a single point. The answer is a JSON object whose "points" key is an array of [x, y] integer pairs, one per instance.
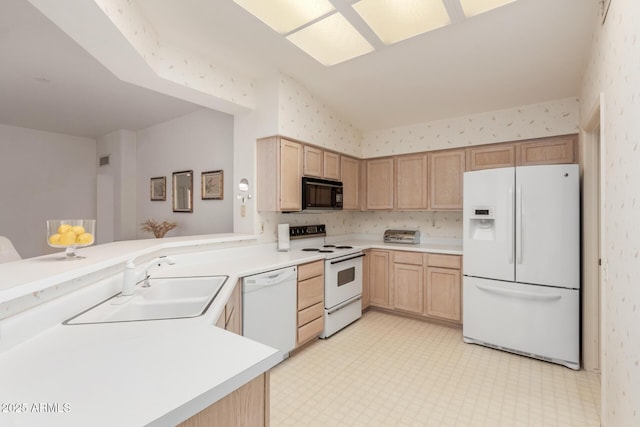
{"points": [[283, 237]]}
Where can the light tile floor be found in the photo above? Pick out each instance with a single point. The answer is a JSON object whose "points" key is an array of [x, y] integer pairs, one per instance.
{"points": [[386, 370]]}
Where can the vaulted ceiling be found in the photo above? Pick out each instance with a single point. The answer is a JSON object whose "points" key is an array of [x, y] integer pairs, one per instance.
{"points": [[526, 52]]}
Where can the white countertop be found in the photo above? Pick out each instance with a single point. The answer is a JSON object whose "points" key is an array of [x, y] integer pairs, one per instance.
{"points": [[139, 373], [127, 374]]}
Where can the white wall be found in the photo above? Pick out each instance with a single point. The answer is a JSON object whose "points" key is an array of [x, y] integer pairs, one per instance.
{"points": [[558, 117], [120, 146], [44, 176], [200, 141], [614, 70]]}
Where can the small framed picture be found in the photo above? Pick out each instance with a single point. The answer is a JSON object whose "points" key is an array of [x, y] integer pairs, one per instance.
{"points": [[159, 188], [212, 185]]}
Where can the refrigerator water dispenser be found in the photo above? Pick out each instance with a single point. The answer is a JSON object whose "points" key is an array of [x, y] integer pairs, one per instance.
{"points": [[482, 224]]}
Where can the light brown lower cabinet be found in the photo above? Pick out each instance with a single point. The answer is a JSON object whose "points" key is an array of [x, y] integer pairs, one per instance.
{"points": [[443, 287], [231, 317], [413, 282], [365, 279], [379, 278], [247, 406], [310, 320], [408, 281]]}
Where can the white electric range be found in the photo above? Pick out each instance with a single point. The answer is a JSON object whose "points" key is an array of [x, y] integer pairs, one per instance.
{"points": [[342, 276]]}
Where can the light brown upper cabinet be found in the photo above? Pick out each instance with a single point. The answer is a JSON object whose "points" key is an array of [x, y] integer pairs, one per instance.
{"points": [[491, 156], [312, 161], [380, 183], [411, 182], [320, 163], [547, 151], [446, 169], [279, 177], [331, 166], [350, 172]]}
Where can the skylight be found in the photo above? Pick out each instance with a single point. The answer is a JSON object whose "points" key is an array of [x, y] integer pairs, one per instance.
{"points": [[329, 30], [397, 20]]}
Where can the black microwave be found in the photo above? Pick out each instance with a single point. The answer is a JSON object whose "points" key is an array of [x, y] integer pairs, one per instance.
{"points": [[321, 194]]}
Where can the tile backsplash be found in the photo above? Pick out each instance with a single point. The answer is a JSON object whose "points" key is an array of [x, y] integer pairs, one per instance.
{"points": [[431, 224]]}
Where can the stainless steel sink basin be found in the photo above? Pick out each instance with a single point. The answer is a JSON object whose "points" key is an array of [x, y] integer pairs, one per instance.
{"points": [[165, 298]]}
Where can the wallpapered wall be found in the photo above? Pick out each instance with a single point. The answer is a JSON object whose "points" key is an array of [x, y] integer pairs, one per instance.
{"points": [[177, 64], [304, 117], [614, 69], [557, 117]]}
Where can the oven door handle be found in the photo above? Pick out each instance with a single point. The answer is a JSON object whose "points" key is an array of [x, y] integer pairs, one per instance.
{"points": [[347, 259]]}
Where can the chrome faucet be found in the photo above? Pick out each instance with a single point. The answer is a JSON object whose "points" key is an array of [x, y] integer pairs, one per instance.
{"points": [[129, 278]]}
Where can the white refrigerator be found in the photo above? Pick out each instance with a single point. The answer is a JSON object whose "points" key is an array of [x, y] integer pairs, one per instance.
{"points": [[521, 252]]}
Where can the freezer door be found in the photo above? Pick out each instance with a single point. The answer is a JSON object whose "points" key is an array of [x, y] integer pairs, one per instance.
{"points": [[539, 321], [488, 224], [548, 225]]}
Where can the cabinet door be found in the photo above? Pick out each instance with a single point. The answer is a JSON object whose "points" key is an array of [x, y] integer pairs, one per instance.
{"points": [[290, 176], [233, 311], [380, 183], [246, 406], [331, 166], [443, 293], [411, 182], [446, 172], [350, 176], [379, 278], [548, 151], [408, 285], [491, 156], [312, 161], [365, 279]]}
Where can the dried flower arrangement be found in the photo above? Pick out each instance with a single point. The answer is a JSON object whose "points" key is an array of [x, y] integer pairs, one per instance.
{"points": [[158, 229]]}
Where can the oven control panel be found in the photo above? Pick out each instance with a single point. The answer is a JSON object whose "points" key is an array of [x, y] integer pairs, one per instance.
{"points": [[302, 231]]}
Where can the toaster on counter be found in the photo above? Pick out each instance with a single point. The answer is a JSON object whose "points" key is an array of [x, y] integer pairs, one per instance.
{"points": [[411, 237]]}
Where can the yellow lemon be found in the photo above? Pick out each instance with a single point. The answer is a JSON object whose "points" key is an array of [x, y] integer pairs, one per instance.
{"points": [[63, 228], [85, 239], [78, 229], [68, 238], [54, 239]]}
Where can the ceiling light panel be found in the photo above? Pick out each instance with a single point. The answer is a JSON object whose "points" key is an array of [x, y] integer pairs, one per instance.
{"points": [[331, 40], [476, 7], [285, 16], [396, 20]]}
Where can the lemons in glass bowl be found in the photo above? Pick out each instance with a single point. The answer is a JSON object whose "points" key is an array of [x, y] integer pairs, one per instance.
{"points": [[71, 234]]}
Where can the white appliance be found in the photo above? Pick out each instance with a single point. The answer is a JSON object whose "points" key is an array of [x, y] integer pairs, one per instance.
{"points": [[521, 247], [342, 277], [342, 291], [270, 308]]}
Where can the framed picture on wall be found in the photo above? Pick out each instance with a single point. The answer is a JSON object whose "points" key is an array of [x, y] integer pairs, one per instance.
{"points": [[212, 185], [159, 188]]}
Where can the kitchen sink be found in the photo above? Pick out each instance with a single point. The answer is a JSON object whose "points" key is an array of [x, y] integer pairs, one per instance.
{"points": [[165, 298]]}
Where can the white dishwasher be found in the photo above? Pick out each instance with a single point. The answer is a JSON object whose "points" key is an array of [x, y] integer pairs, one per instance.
{"points": [[270, 308]]}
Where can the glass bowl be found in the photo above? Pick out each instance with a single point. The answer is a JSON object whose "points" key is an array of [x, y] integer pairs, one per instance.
{"points": [[71, 234]]}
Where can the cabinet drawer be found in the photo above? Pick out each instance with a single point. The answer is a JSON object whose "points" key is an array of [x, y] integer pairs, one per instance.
{"points": [[446, 261], [313, 269], [403, 257], [310, 330], [310, 313], [310, 291]]}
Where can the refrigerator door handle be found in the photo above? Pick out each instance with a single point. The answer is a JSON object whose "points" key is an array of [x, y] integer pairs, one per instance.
{"points": [[519, 294], [519, 225], [511, 226]]}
